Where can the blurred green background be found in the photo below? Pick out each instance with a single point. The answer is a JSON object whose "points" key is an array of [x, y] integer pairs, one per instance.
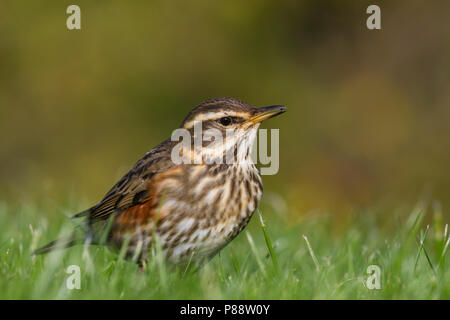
{"points": [[369, 111]]}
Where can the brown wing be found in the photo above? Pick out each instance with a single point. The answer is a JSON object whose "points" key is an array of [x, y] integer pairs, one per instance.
{"points": [[151, 210], [135, 187]]}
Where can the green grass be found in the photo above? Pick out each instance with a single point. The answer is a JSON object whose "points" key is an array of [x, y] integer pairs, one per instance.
{"points": [[313, 259]]}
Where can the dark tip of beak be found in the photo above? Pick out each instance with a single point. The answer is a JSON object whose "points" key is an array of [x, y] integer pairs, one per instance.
{"points": [[271, 111], [275, 109]]}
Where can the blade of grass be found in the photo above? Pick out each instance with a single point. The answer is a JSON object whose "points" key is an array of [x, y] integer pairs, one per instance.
{"points": [[160, 262], [106, 230], [235, 261], [429, 261], [124, 248], [268, 242], [311, 252], [444, 251], [422, 247], [255, 252], [423, 236], [188, 265]]}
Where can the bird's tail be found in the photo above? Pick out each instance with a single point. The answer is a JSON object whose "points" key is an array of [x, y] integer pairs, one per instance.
{"points": [[68, 241], [61, 243]]}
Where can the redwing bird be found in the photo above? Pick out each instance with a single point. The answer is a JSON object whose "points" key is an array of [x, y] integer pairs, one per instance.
{"points": [[195, 206]]}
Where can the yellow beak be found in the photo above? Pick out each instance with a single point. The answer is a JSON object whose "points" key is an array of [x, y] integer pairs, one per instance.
{"points": [[266, 113]]}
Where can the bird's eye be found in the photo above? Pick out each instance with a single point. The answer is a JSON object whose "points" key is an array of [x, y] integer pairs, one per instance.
{"points": [[225, 121]]}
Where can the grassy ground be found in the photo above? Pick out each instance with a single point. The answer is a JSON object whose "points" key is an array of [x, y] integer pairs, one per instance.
{"points": [[311, 260]]}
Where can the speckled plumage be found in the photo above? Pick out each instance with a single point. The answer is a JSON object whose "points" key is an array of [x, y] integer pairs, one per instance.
{"points": [[194, 209]]}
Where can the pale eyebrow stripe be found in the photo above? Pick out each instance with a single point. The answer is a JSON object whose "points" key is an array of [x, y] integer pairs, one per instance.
{"points": [[214, 115]]}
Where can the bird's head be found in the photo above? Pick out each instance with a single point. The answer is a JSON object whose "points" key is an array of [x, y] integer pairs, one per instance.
{"points": [[226, 125]]}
